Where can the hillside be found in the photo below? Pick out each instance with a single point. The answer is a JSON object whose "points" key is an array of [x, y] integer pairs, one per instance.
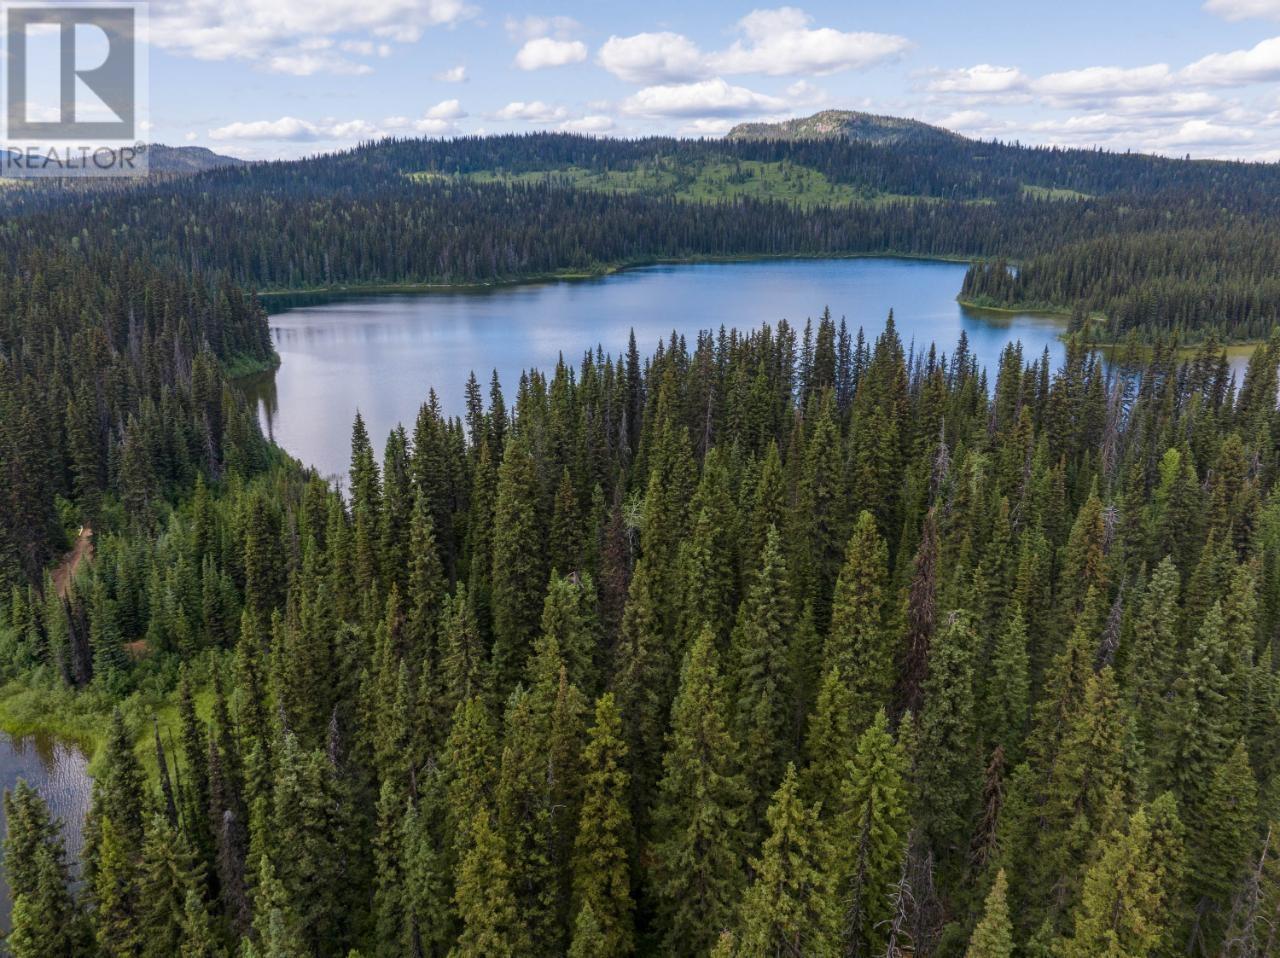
{"points": [[188, 159], [846, 125], [504, 208]]}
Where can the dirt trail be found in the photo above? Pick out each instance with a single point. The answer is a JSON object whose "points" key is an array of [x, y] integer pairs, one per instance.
{"points": [[66, 571]]}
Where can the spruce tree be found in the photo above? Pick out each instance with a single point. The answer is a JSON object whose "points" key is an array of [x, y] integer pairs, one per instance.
{"points": [[859, 643], [949, 783], [870, 833], [699, 811], [993, 936], [791, 908], [605, 843], [486, 905]]}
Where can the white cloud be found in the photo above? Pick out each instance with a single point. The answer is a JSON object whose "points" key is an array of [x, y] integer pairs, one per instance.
{"points": [[594, 123], [548, 52], [279, 34], [707, 127], [531, 27], [775, 42], [652, 58], [1261, 64], [983, 79], [1168, 105], [456, 74], [705, 98], [534, 111], [1244, 9], [309, 64], [779, 42], [1104, 82], [446, 110], [190, 136], [439, 120], [285, 128], [1208, 133]]}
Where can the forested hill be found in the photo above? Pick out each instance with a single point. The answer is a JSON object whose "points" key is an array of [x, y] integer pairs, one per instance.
{"points": [[491, 209], [847, 125]]}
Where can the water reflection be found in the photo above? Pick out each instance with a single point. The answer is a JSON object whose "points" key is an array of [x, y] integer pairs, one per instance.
{"points": [[59, 771]]}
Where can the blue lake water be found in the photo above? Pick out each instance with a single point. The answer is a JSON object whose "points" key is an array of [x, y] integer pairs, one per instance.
{"points": [[59, 771], [379, 354]]}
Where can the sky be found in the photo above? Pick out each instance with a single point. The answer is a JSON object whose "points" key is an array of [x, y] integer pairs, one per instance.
{"points": [[285, 78]]}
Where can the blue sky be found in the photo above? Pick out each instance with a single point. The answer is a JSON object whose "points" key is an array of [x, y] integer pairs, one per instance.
{"points": [[270, 78]]}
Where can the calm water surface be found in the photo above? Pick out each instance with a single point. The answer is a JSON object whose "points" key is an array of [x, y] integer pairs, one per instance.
{"points": [[60, 773], [380, 354]]}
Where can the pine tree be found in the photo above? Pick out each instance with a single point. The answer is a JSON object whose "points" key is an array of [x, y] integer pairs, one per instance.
{"points": [[698, 817], [589, 939], [870, 836], [830, 743], [947, 736], [1218, 848], [277, 930], [993, 937], [762, 679], [519, 574], [166, 876], [44, 922], [601, 869], [1154, 647], [1006, 692], [1125, 909], [116, 895], [790, 908], [199, 940], [859, 644], [486, 905]]}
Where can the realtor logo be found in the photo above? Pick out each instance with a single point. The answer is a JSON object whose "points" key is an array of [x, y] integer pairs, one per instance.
{"points": [[74, 85]]}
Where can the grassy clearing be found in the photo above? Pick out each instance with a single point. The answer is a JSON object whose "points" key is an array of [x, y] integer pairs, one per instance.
{"points": [[713, 181], [238, 366], [35, 704], [1052, 193]]}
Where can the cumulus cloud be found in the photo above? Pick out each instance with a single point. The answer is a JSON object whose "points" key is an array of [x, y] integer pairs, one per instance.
{"points": [[456, 74], [652, 58], [549, 52], [304, 64], [289, 128], [592, 123], [534, 111], [1105, 82], [1260, 64], [705, 98], [779, 42], [280, 35], [531, 27], [707, 127], [439, 120], [776, 42], [1244, 9], [983, 79]]}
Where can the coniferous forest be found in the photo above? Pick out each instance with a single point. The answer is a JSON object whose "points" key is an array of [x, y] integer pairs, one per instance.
{"points": [[779, 641]]}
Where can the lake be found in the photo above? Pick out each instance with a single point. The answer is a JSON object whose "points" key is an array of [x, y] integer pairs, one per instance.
{"points": [[379, 354], [60, 773]]}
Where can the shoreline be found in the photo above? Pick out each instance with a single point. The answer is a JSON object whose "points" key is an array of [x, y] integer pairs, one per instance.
{"points": [[571, 276]]}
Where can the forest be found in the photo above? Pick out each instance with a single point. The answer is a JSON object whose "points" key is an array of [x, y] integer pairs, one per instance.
{"points": [[483, 210], [784, 641], [776, 641]]}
